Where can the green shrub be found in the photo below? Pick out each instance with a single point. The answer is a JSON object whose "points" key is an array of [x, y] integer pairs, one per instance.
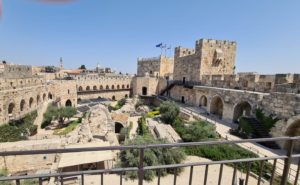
{"points": [[18, 130], [169, 111], [72, 126], [245, 127], [119, 104], [152, 157], [267, 121], [142, 128], [197, 131]]}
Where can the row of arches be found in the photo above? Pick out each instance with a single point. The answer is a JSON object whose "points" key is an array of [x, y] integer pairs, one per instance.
{"points": [[101, 87], [23, 103], [242, 108]]}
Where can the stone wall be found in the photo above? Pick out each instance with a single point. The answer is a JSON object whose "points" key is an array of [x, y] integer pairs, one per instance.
{"points": [[161, 66], [281, 105], [15, 71]]}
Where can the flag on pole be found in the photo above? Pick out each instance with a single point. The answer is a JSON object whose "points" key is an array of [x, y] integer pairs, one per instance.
{"points": [[159, 45]]}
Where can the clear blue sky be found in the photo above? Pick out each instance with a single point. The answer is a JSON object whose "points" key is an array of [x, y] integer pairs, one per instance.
{"points": [[116, 32]]}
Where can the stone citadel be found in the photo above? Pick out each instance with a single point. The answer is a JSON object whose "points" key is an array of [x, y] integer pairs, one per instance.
{"points": [[204, 76]]}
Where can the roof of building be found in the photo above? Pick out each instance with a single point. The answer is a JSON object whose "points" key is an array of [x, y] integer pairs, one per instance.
{"points": [[77, 158]]}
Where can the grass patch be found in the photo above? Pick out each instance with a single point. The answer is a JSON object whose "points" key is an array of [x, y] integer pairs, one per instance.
{"points": [[64, 131]]}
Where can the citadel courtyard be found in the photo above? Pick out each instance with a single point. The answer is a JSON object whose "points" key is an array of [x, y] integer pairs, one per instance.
{"points": [[106, 93]]}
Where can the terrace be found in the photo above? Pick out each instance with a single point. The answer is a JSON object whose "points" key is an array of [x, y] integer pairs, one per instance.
{"points": [[283, 178]]}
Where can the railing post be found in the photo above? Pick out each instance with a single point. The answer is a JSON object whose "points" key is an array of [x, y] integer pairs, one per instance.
{"points": [[141, 166], [287, 162]]}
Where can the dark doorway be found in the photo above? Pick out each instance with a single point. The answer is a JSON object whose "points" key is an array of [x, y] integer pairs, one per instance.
{"points": [[68, 103], [183, 80], [118, 127], [182, 99], [144, 91]]}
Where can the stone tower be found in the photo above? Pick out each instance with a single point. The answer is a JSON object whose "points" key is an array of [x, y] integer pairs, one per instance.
{"points": [[210, 57]]}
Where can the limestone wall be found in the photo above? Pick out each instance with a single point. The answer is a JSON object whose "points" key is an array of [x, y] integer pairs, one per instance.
{"points": [[161, 66]]}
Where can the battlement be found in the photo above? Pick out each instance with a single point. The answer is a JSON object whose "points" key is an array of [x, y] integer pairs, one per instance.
{"points": [[181, 52]]}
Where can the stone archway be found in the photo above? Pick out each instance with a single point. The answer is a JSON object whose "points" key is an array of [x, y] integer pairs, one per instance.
{"points": [[203, 101], [216, 106], [80, 88], [241, 109], [38, 98], [68, 103], [118, 127], [44, 97], [11, 108]]}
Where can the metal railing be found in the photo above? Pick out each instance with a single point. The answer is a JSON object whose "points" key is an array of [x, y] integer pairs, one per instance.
{"points": [[141, 169]]}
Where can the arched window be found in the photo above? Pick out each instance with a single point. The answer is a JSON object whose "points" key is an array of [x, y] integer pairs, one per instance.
{"points": [[127, 86], [11, 107], [22, 105], [95, 88], [101, 87], [30, 102], [80, 88], [112, 87], [118, 86], [87, 88], [44, 97], [113, 98], [123, 86], [50, 96], [107, 87]]}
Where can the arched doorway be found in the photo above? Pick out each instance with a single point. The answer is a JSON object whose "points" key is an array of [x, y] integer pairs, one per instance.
{"points": [[126, 95], [113, 98], [80, 88], [30, 102], [79, 100], [182, 99], [49, 96], [241, 109], [68, 103], [118, 127], [22, 105], [11, 107], [216, 106], [44, 97], [203, 101], [292, 131], [144, 91]]}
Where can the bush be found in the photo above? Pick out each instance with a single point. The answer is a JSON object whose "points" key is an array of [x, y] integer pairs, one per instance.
{"points": [[267, 121], [169, 111], [19, 129], [152, 157], [195, 131], [245, 127], [119, 104], [142, 128]]}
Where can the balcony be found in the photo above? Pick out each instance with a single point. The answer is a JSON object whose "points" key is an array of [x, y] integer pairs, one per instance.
{"points": [[285, 160]]}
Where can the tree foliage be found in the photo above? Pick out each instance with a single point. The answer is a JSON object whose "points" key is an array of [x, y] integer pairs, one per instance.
{"points": [[82, 67], [152, 157], [266, 120], [142, 128], [60, 114], [169, 111]]}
